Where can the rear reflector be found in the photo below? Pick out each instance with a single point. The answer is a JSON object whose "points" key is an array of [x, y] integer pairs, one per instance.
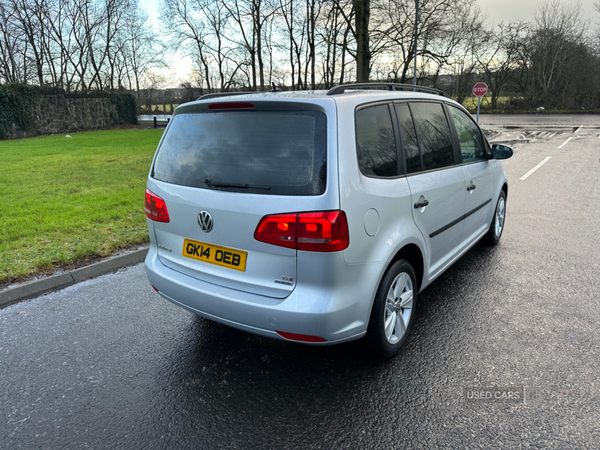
{"points": [[154, 288], [234, 105], [325, 231], [155, 207], [300, 337]]}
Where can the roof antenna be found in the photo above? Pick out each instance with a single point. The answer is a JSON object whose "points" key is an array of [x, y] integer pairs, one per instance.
{"points": [[274, 87]]}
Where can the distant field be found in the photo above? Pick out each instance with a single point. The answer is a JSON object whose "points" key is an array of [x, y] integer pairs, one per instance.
{"points": [[63, 200], [486, 102], [164, 109]]}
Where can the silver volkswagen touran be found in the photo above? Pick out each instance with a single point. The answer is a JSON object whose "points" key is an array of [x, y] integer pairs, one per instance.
{"points": [[317, 217]]}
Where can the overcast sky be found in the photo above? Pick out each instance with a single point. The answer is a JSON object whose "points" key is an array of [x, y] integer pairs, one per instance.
{"points": [[496, 10], [510, 10]]}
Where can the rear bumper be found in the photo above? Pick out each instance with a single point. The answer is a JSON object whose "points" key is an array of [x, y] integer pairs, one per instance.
{"points": [[335, 306]]}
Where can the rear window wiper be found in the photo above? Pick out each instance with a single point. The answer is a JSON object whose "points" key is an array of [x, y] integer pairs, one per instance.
{"points": [[218, 184]]}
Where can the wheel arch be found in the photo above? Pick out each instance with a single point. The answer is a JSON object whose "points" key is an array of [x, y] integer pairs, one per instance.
{"points": [[412, 253]]}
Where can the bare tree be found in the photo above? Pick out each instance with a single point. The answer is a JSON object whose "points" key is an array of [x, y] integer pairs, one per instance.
{"points": [[444, 30], [225, 57], [557, 27], [294, 30], [182, 20], [334, 37], [138, 47], [358, 19], [27, 15], [8, 42], [362, 17], [251, 17], [457, 47], [499, 60], [548, 54]]}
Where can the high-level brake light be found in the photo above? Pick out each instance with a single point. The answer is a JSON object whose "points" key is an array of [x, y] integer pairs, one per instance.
{"points": [[231, 105]]}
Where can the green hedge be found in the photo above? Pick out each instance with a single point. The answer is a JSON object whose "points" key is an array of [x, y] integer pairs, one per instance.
{"points": [[16, 99], [15, 107], [126, 106]]}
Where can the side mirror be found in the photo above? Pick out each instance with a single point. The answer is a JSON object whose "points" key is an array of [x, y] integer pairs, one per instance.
{"points": [[500, 151]]}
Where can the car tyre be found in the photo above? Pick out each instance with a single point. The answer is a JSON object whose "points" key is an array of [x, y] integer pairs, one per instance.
{"points": [[497, 227], [393, 310]]}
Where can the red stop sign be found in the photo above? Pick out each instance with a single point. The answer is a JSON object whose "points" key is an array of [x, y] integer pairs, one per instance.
{"points": [[480, 89]]}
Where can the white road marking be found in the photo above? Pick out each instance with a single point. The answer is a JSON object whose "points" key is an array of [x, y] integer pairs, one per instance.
{"points": [[565, 143], [552, 135], [524, 177], [577, 130]]}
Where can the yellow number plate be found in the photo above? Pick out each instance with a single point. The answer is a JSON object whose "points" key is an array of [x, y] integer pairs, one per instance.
{"points": [[215, 254]]}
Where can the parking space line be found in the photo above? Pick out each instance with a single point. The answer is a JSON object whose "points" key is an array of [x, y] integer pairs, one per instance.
{"points": [[565, 143], [535, 168], [577, 130], [552, 135]]}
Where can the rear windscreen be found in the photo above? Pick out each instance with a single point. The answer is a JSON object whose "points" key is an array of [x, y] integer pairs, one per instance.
{"points": [[273, 153]]}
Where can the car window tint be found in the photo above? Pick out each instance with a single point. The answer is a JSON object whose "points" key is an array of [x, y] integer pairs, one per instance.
{"points": [[435, 140], [375, 142], [272, 153], [410, 145], [469, 136]]}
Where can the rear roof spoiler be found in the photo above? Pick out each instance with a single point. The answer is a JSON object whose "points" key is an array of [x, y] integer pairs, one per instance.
{"points": [[222, 94]]}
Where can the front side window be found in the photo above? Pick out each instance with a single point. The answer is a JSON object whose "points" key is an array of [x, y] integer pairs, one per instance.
{"points": [[469, 136], [271, 153], [435, 140], [376, 142]]}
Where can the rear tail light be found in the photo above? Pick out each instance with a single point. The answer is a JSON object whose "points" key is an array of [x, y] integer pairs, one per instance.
{"points": [[316, 231], [155, 207]]}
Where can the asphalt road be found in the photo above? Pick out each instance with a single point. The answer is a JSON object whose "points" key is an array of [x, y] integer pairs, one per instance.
{"points": [[107, 363], [532, 121]]}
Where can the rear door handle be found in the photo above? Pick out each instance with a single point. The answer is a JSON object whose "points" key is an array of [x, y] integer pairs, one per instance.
{"points": [[421, 203], [471, 187]]}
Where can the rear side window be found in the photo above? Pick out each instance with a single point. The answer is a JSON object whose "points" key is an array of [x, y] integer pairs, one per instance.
{"points": [[410, 145], [376, 142], [273, 153], [435, 140]]}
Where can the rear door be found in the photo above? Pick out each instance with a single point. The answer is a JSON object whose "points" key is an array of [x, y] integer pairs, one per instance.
{"points": [[436, 183], [220, 168], [377, 198]]}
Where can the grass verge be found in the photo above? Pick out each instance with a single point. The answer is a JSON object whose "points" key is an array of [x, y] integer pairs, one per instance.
{"points": [[64, 200]]}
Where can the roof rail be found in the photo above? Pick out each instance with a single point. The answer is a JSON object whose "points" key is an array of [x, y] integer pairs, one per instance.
{"points": [[223, 94], [389, 86]]}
